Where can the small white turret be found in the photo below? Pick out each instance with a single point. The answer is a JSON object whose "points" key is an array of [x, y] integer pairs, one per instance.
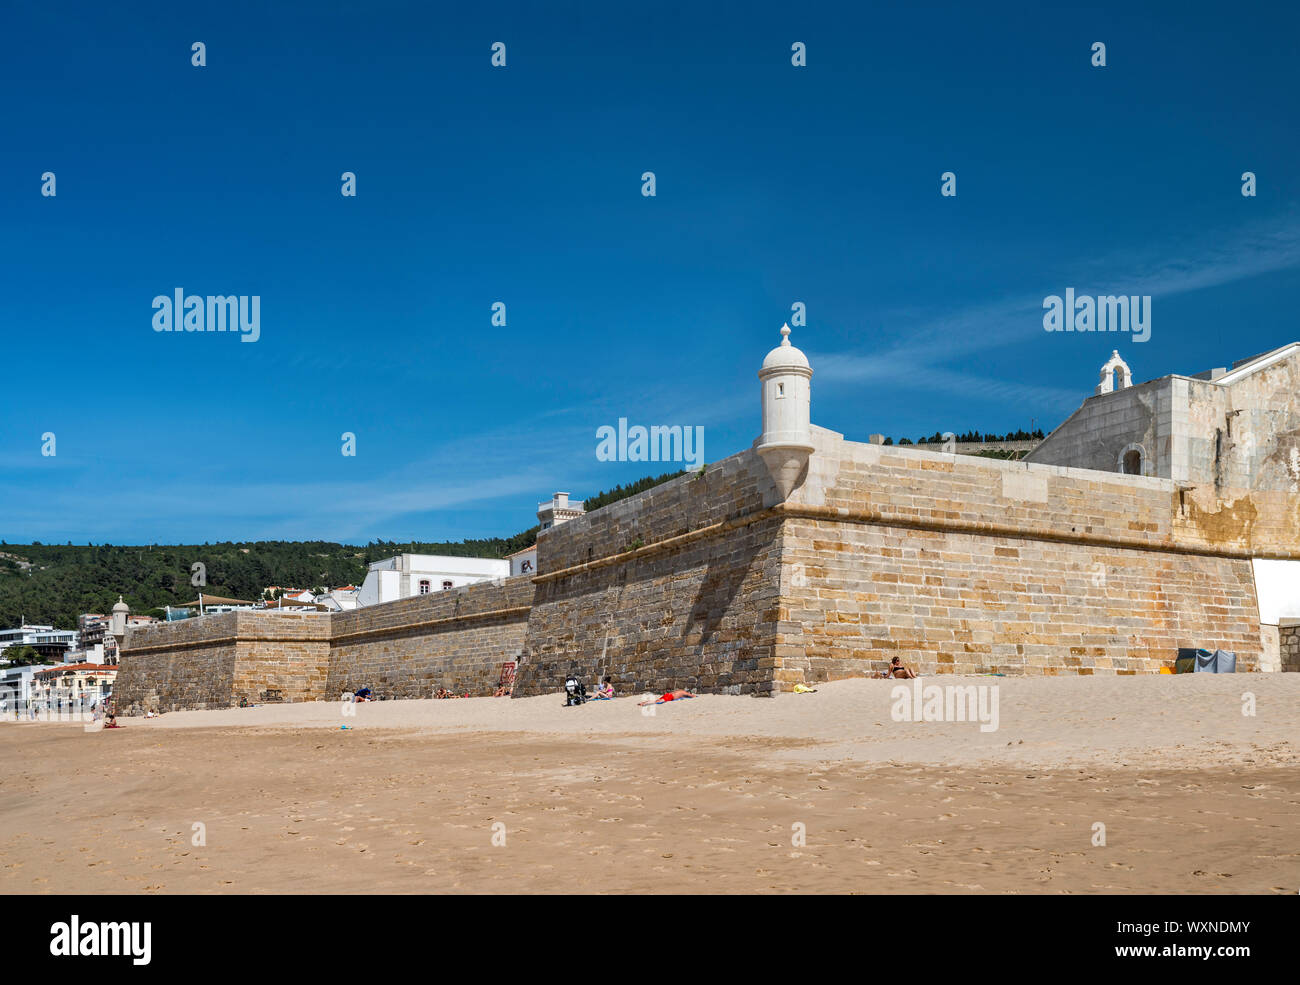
{"points": [[787, 428], [117, 622]]}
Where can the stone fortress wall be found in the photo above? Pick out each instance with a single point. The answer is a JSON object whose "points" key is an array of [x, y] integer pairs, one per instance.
{"points": [[970, 566], [805, 558], [675, 587], [457, 639], [956, 564], [213, 661]]}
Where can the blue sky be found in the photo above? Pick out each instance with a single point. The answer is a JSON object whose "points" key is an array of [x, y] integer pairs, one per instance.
{"points": [[522, 184]]}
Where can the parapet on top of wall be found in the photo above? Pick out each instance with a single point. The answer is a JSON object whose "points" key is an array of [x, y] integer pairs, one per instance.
{"points": [[915, 487], [911, 486], [436, 608], [734, 486]]}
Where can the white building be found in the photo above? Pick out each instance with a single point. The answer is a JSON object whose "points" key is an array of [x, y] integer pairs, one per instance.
{"points": [[207, 605], [523, 562], [408, 575], [340, 599], [16, 687], [558, 510], [45, 640]]}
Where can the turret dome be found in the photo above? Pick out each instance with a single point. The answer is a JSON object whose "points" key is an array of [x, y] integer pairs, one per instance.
{"points": [[786, 356]]}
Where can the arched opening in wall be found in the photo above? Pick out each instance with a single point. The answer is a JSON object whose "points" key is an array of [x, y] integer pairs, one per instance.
{"points": [[1133, 462], [1116, 380]]}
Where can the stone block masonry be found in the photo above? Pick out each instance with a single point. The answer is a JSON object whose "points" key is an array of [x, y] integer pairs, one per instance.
{"points": [[710, 581], [676, 587], [213, 661], [1289, 644], [968, 566], [457, 639]]}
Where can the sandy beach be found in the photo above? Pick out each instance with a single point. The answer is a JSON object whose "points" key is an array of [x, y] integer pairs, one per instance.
{"points": [[823, 792]]}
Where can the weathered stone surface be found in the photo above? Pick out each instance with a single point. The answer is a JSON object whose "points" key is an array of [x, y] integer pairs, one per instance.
{"points": [[943, 562], [457, 639], [1289, 644], [956, 564], [213, 661]]}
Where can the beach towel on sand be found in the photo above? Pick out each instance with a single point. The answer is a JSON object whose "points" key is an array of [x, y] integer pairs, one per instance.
{"points": [[1201, 661]]}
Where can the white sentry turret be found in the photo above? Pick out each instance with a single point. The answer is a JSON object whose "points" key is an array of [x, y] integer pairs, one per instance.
{"points": [[787, 428]]}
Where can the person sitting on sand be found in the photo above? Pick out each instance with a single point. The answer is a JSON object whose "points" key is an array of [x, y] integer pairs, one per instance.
{"points": [[677, 695], [364, 694], [896, 669], [111, 721], [605, 692]]}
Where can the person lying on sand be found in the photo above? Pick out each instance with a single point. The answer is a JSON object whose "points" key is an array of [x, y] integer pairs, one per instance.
{"points": [[669, 696], [896, 669]]}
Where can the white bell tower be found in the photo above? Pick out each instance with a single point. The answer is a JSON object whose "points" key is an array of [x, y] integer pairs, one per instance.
{"points": [[1114, 365], [787, 429]]}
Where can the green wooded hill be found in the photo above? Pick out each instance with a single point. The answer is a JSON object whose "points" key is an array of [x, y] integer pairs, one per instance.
{"points": [[50, 584]]}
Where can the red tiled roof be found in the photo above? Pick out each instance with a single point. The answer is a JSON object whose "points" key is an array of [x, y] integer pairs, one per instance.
{"points": [[74, 668]]}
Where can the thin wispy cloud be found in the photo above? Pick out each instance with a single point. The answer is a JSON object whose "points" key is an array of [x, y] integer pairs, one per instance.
{"points": [[919, 362]]}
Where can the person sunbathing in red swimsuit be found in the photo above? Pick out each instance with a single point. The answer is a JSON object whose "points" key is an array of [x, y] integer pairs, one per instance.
{"points": [[669, 696]]}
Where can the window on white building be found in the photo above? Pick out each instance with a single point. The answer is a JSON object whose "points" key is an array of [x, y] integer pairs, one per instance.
{"points": [[425, 586], [446, 585]]}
